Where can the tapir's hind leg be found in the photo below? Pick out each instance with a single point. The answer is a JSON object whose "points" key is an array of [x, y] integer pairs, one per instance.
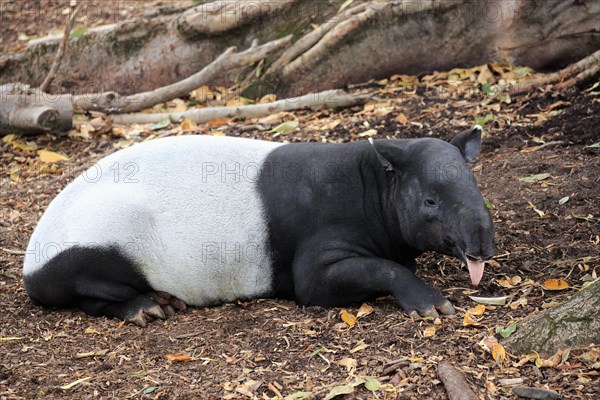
{"points": [[102, 281]]}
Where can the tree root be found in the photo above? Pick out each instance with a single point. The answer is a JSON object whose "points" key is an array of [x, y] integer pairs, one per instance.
{"points": [[221, 16], [566, 78], [111, 102], [329, 38], [455, 383], [326, 99], [572, 324], [310, 39]]}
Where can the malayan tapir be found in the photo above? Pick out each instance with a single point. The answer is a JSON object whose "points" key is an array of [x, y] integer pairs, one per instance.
{"points": [[209, 220]]}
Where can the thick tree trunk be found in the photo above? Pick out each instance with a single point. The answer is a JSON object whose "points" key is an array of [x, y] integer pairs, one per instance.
{"points": [[389, 37], [573, 323]]}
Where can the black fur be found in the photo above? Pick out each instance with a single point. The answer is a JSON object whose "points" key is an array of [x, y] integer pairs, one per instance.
{"points": [[99, 280]]}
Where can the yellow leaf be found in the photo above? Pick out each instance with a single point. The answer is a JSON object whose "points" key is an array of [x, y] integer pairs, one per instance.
{"points": [[330, 125], [498, 353], [218, 121], [9, 338], [401, 119], [358, 348], [369, 133], [349, 363], [285, 127], [555, 284], [188, 125], [520, 302], [238, 101], [90, 331], [429, 331], [364, 310], [178, 357], [348, 318], [477, 310], [509, 282], [268, 98], [51, 157], [12, 140], [469, 321], [177, 105], [73, 384]]}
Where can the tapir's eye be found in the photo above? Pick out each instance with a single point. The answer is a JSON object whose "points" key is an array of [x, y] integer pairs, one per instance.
{"points": [[430, 202]]}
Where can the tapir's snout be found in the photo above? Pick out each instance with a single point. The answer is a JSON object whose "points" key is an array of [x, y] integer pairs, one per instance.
{"points": [[480, 247]]}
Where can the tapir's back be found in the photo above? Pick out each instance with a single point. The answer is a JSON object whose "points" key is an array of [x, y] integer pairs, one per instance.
{"points": [[185, 210]]}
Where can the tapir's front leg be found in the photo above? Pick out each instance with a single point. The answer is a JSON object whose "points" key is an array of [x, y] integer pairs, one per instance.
{"points": [[356, 279]]}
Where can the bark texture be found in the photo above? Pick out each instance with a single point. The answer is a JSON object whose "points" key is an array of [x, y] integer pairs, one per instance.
{"points": [[573, 323], [368, 40], [31, 111]]}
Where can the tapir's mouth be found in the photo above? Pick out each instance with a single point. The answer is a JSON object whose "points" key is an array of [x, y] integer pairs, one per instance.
{"points": [[476, 266]]}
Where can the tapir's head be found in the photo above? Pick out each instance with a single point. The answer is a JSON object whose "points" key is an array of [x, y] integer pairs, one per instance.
{"points": [[435, 199]]}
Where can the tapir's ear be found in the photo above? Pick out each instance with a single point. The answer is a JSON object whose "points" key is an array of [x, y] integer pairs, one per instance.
{"points": [[469, 143], [388, 153]]}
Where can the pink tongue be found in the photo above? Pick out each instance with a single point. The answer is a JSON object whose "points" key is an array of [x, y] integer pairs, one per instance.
{"points": [[476, 271]]}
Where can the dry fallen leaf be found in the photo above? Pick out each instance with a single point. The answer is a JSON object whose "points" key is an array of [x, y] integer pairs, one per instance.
{"points": [[555, 284], [75, 383], [509, 282], [349, 363], [188, 125], [358, 348], [348, 318], [51, 157], [477, 310], [97, 353], [364, 310], [401, 119], [469, 321], [368, 133], [218, 121], [518, 303], [429, 331], [340, 390], [178, 357], [499, 354]]}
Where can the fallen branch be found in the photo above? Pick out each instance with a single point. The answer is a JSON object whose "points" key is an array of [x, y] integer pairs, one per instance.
{"points": [[326, 99], [111, 102], [61, 50], [455, 383], [565, 78], [32, 111]]}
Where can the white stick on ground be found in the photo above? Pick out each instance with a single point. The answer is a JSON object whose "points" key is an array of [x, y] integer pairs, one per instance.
{"points": [[326, 99]]}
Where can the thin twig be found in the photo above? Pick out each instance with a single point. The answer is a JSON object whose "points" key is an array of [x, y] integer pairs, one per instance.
{"points": [[61, 50]]}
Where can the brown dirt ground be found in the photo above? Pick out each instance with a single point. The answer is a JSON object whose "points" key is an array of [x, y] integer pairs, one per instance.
{"points": [[262, 347], [296, 349]]}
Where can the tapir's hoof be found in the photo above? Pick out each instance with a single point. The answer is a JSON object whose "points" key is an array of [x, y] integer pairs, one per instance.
{"points": [[422, 309], [447, 308], [147, 314], [155, 305]]}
